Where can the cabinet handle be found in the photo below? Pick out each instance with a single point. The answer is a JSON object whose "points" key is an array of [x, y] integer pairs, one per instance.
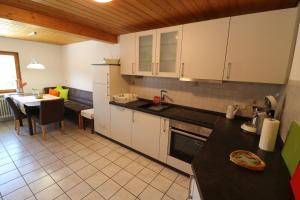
{"points": [[228, 70], [152, 68], [132, 116], [132, 68], [107, 91], [164, 130], [190, 196], [157, 68], [107, 77], [182, 69]]}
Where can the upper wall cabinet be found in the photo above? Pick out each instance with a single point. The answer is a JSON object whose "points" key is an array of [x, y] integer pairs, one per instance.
{"points": [[127, 53], [168, 49], [259, 47], [145, 52], [204, 49], [158, 52]]}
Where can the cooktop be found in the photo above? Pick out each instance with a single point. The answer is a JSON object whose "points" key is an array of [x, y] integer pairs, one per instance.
{"points": [[203, 118]]}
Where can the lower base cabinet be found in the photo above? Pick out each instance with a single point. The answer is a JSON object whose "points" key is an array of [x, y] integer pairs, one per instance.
{"points": [[194, 193], [121, 124], [146, 133]]}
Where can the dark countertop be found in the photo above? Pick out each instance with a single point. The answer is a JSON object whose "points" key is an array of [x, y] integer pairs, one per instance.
{"points": [[176, 112], [218, 178]]}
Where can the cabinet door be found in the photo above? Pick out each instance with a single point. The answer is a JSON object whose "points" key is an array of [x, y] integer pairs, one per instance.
{"points": [[146, 133], [101, 109], [121, 123], [127, 53], [164, 139], [194, 192], [204, 49], [145, 52], [168, 49], [259, 46]]}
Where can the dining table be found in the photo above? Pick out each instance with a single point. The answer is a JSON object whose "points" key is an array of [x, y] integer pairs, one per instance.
{"points": [[29, 104]]}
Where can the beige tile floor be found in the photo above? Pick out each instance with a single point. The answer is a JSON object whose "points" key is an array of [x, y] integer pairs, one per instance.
{"points": [[78, 165]]}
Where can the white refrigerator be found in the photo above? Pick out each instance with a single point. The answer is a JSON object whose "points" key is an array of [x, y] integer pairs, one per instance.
{"points": [[107, 81]]}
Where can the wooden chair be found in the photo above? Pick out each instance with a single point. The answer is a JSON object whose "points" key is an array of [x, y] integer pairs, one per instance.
{"points": [[51, 111], [18, 115]]}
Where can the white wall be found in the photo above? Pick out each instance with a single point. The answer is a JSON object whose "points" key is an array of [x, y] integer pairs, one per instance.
{"points": [[47, 54], [295, 71], [291, 110], [77, 60]]}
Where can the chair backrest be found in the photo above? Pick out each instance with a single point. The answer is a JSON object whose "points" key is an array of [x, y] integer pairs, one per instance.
{"points": [[15, 109], [51, 111]]}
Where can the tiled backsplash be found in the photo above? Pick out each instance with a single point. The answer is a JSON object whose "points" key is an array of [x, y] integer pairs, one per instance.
{"points": [[205, 95]]}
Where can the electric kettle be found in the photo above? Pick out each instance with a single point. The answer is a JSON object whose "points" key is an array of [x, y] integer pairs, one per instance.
{"points": [[231, 111]]}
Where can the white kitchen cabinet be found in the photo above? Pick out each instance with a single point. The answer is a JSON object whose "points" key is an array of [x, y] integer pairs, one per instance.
{"points": [[204, 49], [145, 52], [107, 81], [121, 124], [260, 45], [127, 53], [146, 133], [168, 50], [158, 52], [194, 192], [164, 139]]}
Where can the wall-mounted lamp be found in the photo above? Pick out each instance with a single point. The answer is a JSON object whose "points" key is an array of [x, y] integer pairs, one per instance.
{"points": [[35, 65]]}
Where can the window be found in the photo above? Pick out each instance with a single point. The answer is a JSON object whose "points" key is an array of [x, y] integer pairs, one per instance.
{"points": [[9, 71]]}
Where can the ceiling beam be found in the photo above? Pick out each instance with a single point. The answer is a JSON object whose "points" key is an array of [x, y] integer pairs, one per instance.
{"points": [[21, 15]]}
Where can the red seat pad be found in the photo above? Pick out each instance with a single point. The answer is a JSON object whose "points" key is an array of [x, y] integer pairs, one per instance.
{"points": [[295, 183]]}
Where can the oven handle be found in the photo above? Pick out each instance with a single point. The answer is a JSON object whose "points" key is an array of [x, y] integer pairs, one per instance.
{"points": [[189, 135]]}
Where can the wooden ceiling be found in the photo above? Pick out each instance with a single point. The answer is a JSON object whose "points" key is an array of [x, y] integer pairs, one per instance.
{"points": [[125, 16], [19, 30]]}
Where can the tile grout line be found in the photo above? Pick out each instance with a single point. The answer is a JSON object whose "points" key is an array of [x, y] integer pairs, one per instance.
{"points": [[74, 138], [18, 177]]}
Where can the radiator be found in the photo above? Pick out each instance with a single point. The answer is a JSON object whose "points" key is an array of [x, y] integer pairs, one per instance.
{"points": [[5, 112]]}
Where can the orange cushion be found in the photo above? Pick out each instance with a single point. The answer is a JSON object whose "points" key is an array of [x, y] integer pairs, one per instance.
{"points": [[53, 92]]}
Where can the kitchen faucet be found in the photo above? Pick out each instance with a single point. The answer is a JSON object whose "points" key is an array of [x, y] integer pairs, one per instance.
{"points": [[163, 94]]}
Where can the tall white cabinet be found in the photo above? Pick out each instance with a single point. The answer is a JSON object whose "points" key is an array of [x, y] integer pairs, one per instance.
{"points": [[107, 81], [260, 46]]}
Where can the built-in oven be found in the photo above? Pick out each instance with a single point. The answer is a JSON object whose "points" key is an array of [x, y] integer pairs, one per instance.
{"points": [[185, 141]]}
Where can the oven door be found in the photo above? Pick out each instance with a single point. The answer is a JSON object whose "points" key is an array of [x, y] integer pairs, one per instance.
{"points": [[184, 145]]}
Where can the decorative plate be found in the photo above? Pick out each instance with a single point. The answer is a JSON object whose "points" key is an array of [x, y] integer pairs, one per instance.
{"points": [[247, 160]]}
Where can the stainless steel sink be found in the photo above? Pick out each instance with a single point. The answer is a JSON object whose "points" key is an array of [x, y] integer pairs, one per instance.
{"points": [[153, 107]]}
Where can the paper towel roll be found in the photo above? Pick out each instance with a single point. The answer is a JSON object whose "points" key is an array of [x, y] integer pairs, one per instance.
{"points": [[269, 134]]}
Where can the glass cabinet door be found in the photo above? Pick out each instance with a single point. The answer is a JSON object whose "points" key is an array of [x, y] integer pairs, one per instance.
{"points": [[145, 52], [168, 51]]}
